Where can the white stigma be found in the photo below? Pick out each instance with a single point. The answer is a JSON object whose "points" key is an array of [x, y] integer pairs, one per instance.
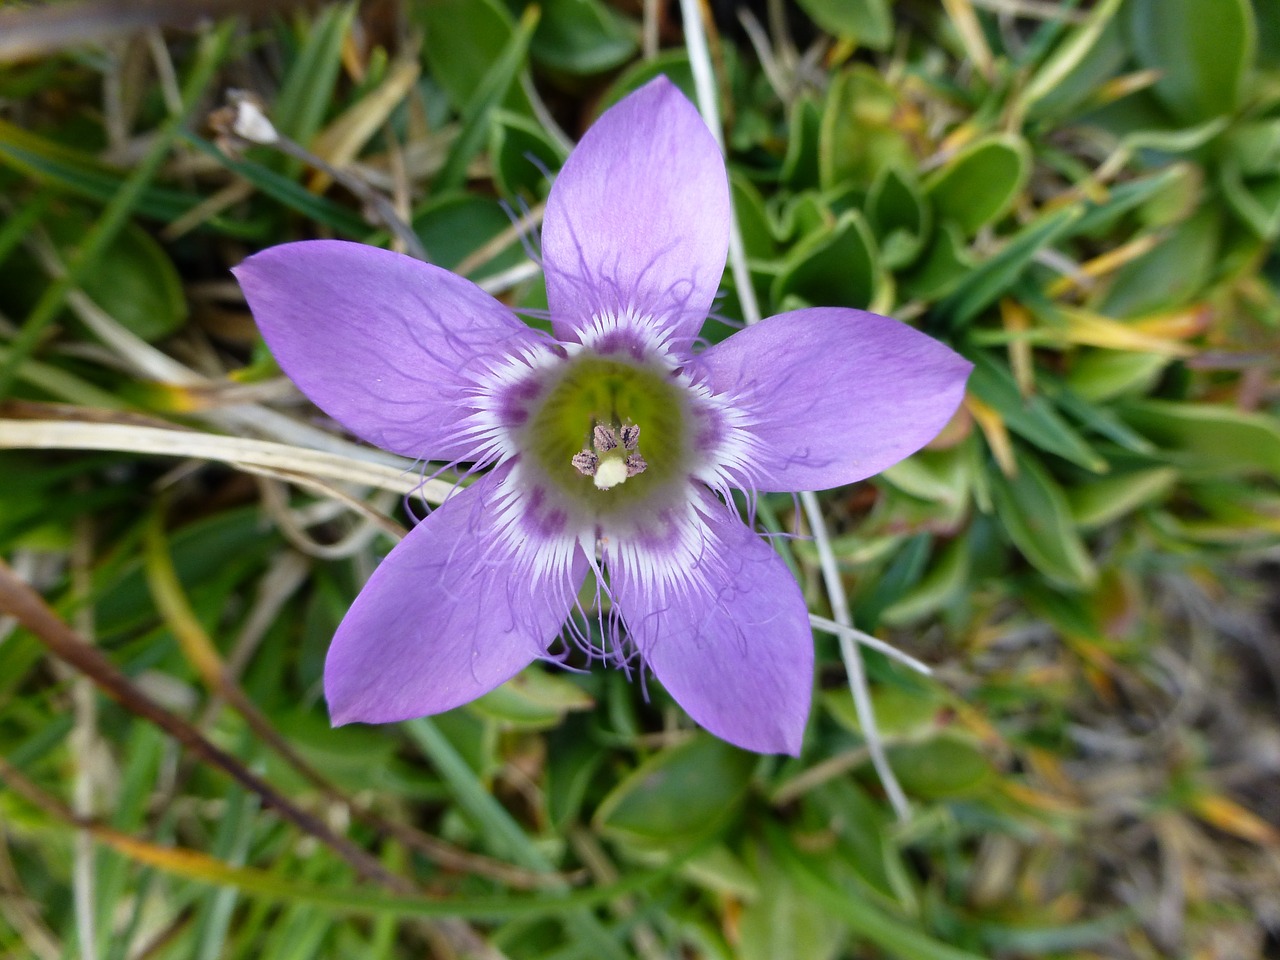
{"points": [[610, 473]]}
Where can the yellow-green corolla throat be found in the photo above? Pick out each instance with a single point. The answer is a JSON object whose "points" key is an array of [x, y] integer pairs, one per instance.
{"points": [[610, 430]]}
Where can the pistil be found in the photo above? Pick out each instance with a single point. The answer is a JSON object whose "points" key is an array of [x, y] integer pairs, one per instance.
{"points": [[613, 456]]}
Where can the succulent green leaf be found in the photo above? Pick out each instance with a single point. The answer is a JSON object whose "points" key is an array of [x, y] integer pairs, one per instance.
{"points": [[800, 165], [941, 767], [581, 37], [838, 267], [980, 184], [859, 136], [1204, 50], [944, 266], [1171, 274], [679, 795], [867, 22], [533, 700], [900, 217], [1090, 54]]}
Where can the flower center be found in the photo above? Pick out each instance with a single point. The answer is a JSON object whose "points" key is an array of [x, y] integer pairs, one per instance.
{"points": [[589, 429]]}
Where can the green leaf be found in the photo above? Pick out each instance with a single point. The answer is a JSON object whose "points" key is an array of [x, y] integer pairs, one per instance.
{"points": [[1267, 17], [1204, 50], [1204, 440], [1108, 499], [464, 39], [307, 91], [900, 217], [783, 923], [135, 281], [858, 137], [980, 183], [941, 767], [867, 22], [455, 225], [800, 165], [678, 796], [292, 195], [1034, 512], [1032, 418], [499, 78], [992, 279], [581, 37], [901, 709], [1092, 53], [1171, 274], [532, 700], [1256, 200], [1177, 187], [672, 64], [753, 218], [938, 476], [82, 175], [900, 938], [1101, 375], [945, 580], [836, 268], [520, 151], [946, 264]]}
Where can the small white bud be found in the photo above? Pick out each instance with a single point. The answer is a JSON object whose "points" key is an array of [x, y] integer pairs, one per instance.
{"points": [[251, 122]]}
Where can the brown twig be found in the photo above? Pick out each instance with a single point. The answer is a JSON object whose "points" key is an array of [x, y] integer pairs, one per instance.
{"points": [[31, 32], [23, 603]]}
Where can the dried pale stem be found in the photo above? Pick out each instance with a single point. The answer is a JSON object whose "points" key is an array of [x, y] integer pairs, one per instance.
{"points": [[279, 458], [867, 640], [385, 210], [704, 81], [852, 656], [84, 745]]}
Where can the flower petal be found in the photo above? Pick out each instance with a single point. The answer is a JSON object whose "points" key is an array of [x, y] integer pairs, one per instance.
{"points": [[826, 396], [727, 634], [387, 345], [453, 611], [638, 218]]}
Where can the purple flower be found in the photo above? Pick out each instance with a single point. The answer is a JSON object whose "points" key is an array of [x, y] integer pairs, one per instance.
{"points": [[612, 448]]}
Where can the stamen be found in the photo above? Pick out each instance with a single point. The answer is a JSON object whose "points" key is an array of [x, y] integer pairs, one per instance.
{"points": [[635, 464], [604, 438], [630, 435], [585, 463]]}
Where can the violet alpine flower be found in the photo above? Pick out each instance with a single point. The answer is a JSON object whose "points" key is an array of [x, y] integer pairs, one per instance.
{"points": [[612, 448]]}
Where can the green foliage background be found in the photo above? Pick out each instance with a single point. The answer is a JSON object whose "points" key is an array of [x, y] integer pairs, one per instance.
{"points": [[1082, 198]]}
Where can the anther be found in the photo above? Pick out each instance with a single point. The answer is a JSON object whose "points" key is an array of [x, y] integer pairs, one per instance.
{"points": [[603, 438], [630, 435], [635, 464], [585, 463]]}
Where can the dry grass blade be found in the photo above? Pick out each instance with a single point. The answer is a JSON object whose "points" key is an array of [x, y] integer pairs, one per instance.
{"points": [[239, 451]]}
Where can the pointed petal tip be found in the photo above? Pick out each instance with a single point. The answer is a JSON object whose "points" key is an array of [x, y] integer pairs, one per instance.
{"points": [[780, 741]]}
